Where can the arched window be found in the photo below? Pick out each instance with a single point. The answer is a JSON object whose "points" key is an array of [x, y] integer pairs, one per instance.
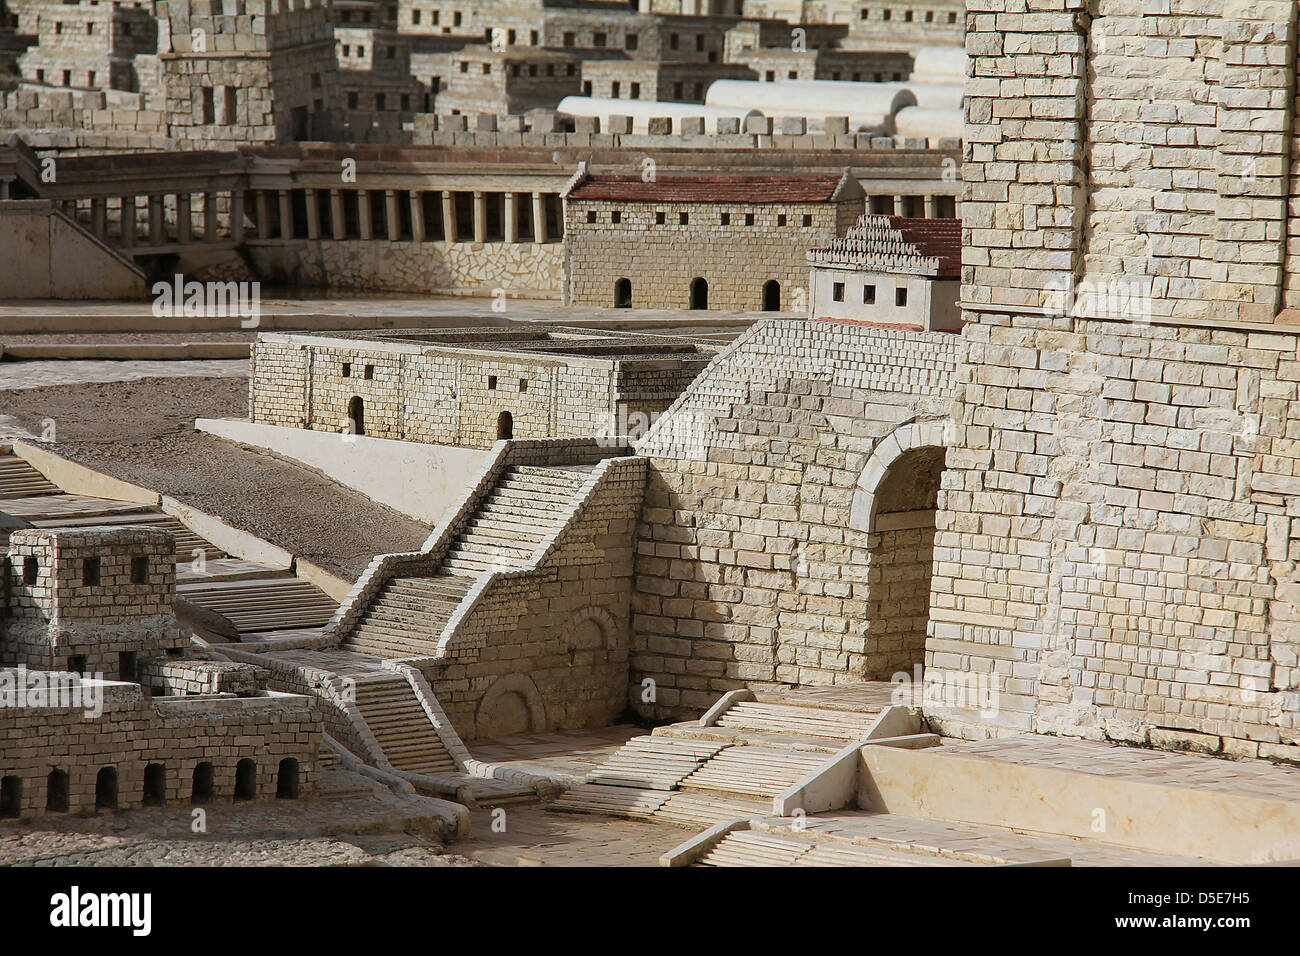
{"points": [[287, 782], [204, 788], [699, 294], [505, 426], [356, 415], [245, 780], [106, 789], [56, 792], [623, 294], [772, 296]]}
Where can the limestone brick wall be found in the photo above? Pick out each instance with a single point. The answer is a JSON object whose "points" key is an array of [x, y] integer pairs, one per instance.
{"points": [[179, 734], [190, 677], [1117, 538], [551, 642], [751, 566], [661, 260]]}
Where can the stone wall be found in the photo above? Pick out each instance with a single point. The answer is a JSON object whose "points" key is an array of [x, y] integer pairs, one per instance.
{"points": [[178, 734], [662, 260], [757, 560]]}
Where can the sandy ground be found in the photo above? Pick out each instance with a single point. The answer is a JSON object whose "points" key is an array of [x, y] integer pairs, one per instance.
{"points": [[142, 431]]}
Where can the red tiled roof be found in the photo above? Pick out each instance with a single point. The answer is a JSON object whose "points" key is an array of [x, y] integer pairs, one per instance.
{"points": [[703, 189], [940, 238]]}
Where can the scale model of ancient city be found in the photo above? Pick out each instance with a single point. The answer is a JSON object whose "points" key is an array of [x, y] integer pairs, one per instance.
{"points": [[666, 433]]}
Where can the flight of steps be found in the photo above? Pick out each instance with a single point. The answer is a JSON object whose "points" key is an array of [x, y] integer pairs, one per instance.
{"points": [[697, 776], [19, 479], [401, 726], [782, 846], [406, 617], [262, 604]]}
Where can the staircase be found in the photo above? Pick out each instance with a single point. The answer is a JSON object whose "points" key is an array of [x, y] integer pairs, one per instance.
{"points": [[406, 618], [19, 479], [402, 728], [782, 846], [696, 776]]}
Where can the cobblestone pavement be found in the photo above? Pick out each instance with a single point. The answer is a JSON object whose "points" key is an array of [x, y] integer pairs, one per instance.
{"points": [[23, 375]]}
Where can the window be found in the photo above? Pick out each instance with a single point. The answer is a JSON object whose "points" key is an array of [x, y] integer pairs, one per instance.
{"points": [[793, 75], [726, 219], [900, 296], [630, 41], [390, 53], [864, 13], [368, 372], [67, 77], [569, 39], [347, 369], [510, 37], [571, 70], [952, 17], [699, 43], [30, 569], [868, 295], [487, 68], [455, 18], [598, 39], [126, 666], [209, 106], [683, 219], [616, 216], [929, 16], [464, 66], [749, 218], [672, 41], [807, 221], [907, 16], [780, 219], [415, 17], [434, 17], [492, 382], [837, 291], [659, 219], [140, 569], [771, 76], [636, 91], [90, 572], [586, 87], [347, 50], [352, 104], [532, 38], [77, 663], [406, 102], [591, 215], [886, 14], [523, 385], [614, 89], [678, 89]]}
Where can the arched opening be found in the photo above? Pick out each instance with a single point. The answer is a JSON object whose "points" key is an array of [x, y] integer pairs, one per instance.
{"points": [[772, 296], [901, 542], [699, 294], [356, 415], [623, 294], [155, 785], [56, 792], [245, 780], [106, 789], [505, 426], [204, 787], [286, 783], [11, 796]]}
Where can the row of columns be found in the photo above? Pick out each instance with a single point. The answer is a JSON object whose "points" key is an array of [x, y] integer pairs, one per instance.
{"points": [[898, 205], [155, 229]]}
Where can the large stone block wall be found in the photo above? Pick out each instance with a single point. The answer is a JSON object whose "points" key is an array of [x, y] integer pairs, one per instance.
{"points": [[133, 732], [547, 648], [662, 260], [1118, 538], [751, 566]]}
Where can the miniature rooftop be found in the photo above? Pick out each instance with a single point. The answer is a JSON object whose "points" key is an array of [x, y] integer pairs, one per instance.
{"points": [[893, 244], [752, 190], [557, 342]]}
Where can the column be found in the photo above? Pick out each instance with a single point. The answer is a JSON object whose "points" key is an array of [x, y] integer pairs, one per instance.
{"points": [[184, 224], [448, 217], [390, 215], [210, 229], [416, 199], [931, 206], [363, 214], [99, 217], [128, 221], [156, 235], [263, 215], [480, 217], [338, 218], [313, 214], [286, 214], [539, 218], [237, 215], [511, 218]]}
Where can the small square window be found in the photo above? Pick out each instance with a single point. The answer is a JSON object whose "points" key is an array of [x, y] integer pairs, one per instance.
{"points": [[77, 663], [368, 373], [31, 567], [523, 385], [591, 215], [683, 219], [140, 569], [492, 382], [630, 41], [616, 216], [900, 296], [726, 219], [780, 219], [749, 218], [868, 295], [887, 14], [807, 221], [90, 572], [347, 369], [659, 219], [837, 291]]}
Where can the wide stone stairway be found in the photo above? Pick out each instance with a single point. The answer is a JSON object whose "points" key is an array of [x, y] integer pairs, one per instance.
{"points": [[408, 615], [696, 775], [401, 727]]}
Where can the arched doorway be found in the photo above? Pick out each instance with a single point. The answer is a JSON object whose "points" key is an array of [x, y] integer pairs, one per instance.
{"points": [[895, 503], [286, 782], [623, 294], [245, 780], [204, 788], [772, 296], [106, 789], [56, 792], [155, 785], [699, 294], [505, 426], [356, 415]]}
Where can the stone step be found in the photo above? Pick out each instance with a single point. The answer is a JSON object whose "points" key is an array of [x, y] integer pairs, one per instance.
{"points": [[703, 810], [792, 719], [754, 848], [753, 771], [658, 763], [615, 801]]}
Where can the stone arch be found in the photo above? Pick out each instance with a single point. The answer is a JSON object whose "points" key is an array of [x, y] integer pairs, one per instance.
{"points": [[623, 294], [512, 705], [903, 440], [593, 628], [505, 426], [356, 415], [772, 296]]}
